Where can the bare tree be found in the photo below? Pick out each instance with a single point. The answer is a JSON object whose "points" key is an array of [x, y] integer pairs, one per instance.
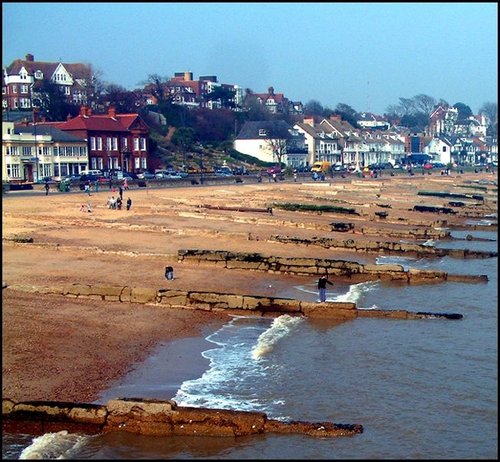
{"points": [[424, 103], [156, 84], [490, 110], [278, 147], [407, 106]]}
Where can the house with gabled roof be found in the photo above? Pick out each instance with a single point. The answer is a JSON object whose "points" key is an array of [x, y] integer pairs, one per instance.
{"points": [[272, 141], [116, 142], [440, 148], [23, 81]]}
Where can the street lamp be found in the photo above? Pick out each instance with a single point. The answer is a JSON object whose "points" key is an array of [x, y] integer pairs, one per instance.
{"points": [[201, 165]]}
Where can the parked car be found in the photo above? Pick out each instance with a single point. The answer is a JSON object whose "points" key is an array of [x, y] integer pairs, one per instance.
{"points": [[167, 175], [70, 179], [146, 176], [223, 171], [85, 178], [274, 169]]}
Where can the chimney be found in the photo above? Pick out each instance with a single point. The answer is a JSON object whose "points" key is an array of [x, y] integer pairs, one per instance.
{"points": [[188, 76], [30, 57], [335, 117], [112, 111], [309, 121], [83, 111]]}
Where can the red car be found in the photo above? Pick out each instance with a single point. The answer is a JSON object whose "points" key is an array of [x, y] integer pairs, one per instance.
{"points": [[272, 170]]}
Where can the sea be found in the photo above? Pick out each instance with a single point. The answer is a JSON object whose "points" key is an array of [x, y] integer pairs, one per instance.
{"points": [[421, 389]]}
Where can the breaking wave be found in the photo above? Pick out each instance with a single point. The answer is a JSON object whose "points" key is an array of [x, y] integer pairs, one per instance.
{"points": [[279, 328], [58, 445]]}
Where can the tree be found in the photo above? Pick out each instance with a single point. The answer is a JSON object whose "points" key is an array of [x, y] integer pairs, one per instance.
{"points": [[424, 103], [278, 148], [123, 100], [183, 138], [464, 111], [313, 107], [253, 108], [49, 98], [347, 113], [156, 84], [490, 110]]}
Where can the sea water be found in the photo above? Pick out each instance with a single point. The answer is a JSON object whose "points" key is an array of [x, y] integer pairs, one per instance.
{"points": [[422, 389]]}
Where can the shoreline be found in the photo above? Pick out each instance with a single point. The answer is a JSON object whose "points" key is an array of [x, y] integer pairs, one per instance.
{"points": [[75, 353]]}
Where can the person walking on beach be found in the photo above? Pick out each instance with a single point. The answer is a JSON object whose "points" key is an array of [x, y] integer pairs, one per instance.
{"points": [[47, 187], [120, 192], [322, 282], [129, 203]]}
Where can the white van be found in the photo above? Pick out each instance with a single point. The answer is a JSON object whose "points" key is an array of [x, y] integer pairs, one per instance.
{"points": [[91, 172]]}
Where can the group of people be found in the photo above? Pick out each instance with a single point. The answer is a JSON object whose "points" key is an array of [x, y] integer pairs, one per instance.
{"points": [[117, 203]]}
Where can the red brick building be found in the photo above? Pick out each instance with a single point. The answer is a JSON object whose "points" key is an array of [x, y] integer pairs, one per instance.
{"points": [[115, 141]]}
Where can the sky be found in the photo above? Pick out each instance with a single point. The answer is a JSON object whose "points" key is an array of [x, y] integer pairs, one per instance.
{"points": [[365, 55]]}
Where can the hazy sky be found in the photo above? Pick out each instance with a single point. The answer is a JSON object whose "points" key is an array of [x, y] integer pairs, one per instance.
{"points": [[366, 55]]}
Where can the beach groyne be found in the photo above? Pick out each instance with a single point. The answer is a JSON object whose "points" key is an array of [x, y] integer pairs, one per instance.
{"points": [[153, 417], [419, 250], [236, 303], [355, 271]]}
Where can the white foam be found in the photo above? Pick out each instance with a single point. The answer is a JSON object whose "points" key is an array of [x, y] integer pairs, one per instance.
{"points": [[51, 445], [355, 292], [280, 327]]}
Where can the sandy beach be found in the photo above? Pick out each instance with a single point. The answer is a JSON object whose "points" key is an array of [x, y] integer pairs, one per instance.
{"points": [[55, 348]]}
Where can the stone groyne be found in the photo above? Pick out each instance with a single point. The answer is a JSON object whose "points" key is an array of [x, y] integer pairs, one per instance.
{"points": [[418, 250], [317, 266], [236, 303], [153, 418]]}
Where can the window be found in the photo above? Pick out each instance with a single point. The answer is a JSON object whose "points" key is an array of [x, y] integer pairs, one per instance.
{"points": [[27, 151], [125, 144], [108, 144], [100, 163], [144, 163], [262, 132], [444, 148], [93, 162], [142, 142], [99, 143], [14, 88], [114, 143], [46, 169], [136, 144], [137, 162], [13, 170]]}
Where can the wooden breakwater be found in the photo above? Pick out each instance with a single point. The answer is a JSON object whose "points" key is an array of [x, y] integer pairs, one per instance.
{"points": [[153, 418]]}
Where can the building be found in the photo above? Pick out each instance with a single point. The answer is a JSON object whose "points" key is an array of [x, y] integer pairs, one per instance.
{"points": [[272, 141], [33, 152], [116, 142], [23, 81]]}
